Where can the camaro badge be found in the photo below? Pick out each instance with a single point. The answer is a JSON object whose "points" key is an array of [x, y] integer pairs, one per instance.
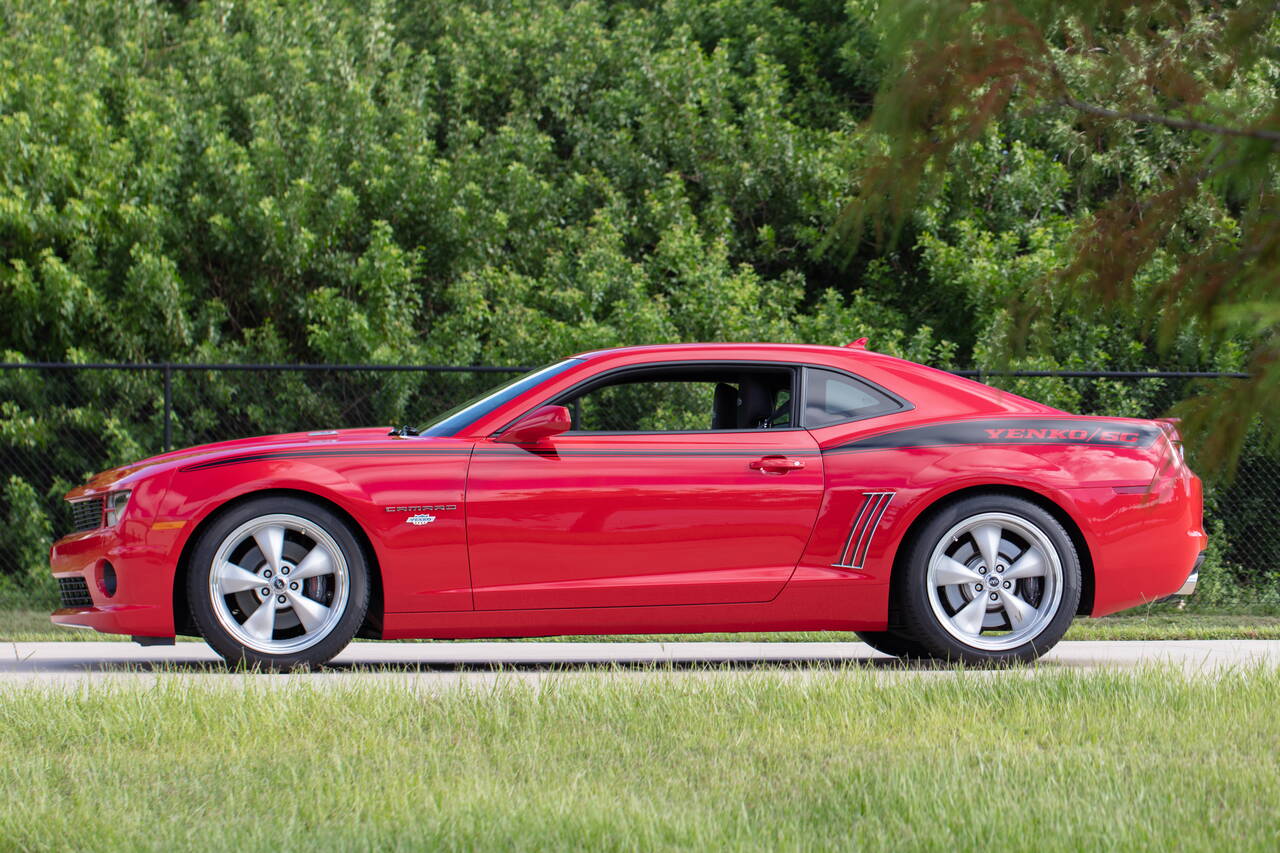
{"points": [[420, 519]]}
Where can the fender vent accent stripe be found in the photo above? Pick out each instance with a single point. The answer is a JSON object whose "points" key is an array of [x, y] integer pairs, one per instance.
{"points": [[854, 552]]}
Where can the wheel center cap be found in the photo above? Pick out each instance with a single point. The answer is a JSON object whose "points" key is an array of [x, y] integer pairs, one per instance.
{"points": [[278, 583]]}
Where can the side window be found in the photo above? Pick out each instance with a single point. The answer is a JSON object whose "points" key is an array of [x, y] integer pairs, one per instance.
{"points": [[685, 399], [645, 407], [834, 398]]}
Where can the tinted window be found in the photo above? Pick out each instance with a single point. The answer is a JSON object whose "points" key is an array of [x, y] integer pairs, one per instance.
{"points": [[684, 399], [458, 417], [834, 398]]}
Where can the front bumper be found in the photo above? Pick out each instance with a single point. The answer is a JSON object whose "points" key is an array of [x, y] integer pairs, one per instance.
{"points": [[115, 580]]}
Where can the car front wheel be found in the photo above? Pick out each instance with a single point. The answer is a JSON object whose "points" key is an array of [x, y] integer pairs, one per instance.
{"points": [[278, 583], [990, 579]]}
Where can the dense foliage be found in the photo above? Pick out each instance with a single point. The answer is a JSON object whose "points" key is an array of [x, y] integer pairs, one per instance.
{"points": [[1166, 116], [505, 183]]}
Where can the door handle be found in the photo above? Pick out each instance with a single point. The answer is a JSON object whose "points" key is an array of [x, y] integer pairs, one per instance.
{"points": [[779, 464]]}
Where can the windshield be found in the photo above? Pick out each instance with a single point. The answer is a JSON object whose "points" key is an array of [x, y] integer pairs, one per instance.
{"points": [[469, 412]]}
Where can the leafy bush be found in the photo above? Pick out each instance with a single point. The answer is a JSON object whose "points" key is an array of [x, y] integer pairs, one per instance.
{"points": [[481, 182]]}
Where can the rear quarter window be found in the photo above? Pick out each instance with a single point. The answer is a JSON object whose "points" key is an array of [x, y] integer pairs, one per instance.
{"points": [[836, 398]]}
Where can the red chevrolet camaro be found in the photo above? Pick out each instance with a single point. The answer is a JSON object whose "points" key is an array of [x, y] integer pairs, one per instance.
{"points": [[682, 488]]}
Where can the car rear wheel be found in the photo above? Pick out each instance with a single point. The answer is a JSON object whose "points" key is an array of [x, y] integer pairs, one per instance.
{"points": [[990, 579], [278, 583]]}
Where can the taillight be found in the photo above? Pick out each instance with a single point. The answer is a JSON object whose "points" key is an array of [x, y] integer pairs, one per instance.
{"points": [[1171, 434]]}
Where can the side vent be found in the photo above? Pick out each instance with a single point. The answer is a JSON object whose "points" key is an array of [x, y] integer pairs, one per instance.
{"points": [[864, 527]]}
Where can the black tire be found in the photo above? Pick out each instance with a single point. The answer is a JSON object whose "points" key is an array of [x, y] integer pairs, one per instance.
{"points": [[922, 615], [893, 644], [218, 621]]}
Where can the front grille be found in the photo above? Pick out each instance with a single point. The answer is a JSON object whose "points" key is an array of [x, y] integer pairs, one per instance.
{"points": [[74, 592], [87, 515]]}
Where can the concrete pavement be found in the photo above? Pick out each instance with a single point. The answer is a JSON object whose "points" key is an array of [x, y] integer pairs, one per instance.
{"points": [[445, 663]]}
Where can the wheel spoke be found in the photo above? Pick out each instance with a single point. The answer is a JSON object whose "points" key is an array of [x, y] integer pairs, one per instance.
{"points": [[262, 622], [271, 542], [948, 571], [987, 538], [1018, 610], [1029, 565], [317, 562], [233, 578], [311, 613], [969, 618]]}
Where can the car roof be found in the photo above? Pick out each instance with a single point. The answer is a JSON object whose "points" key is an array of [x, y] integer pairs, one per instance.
{"points": [[847, 356], [774, 349]]}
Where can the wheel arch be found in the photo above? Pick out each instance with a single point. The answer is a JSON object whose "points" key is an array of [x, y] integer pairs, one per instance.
{"points": [[1053, 508], [182, 619]]}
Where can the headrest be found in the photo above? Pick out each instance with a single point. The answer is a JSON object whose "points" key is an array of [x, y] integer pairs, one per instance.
{"points": [[724, 411]]}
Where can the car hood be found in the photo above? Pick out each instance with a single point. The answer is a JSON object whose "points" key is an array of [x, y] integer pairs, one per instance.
{"points": [[121, 477]]}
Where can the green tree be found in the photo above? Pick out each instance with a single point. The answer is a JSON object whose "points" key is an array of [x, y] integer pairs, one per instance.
{"points": [[1161, 126]]}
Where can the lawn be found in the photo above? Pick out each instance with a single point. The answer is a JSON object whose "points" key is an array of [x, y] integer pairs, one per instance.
{"points": [[1162, 623], [840, 759]]}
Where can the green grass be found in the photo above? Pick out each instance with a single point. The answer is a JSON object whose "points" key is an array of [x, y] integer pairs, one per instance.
{"points": [[1175, 625], [1157, 624], [839, 759]]}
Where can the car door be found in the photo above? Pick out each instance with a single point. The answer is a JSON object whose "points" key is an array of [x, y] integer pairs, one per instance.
{"points": [[617, 518]]}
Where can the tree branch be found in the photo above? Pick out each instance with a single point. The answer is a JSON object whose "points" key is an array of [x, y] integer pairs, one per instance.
{"points": [[1271, 136]]}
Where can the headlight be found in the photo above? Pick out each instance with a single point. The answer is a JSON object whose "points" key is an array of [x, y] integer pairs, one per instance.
{"points": [[116, 502]]}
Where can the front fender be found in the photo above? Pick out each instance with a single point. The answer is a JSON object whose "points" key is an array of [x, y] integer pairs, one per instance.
{"points": [[423, 568]]}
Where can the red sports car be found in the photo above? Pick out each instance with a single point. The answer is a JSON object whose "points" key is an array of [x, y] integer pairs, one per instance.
{"points": [[682, 488]]}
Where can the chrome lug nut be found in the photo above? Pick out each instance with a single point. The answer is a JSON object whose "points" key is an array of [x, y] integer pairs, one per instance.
{"points": [[293, 585], [266, 573], [266, 590], [280, 598], [999, 568], [994, 596], [284, 570], [982, 570], [1007, 584], [978, 587]]}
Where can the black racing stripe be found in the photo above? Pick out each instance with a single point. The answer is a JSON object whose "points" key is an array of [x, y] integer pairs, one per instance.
{"points": [[1008, 431], [513, 451], [324, 454]]}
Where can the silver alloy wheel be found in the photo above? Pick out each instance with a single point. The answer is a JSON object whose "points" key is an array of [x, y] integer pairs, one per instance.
{"points": [[995, 572], [278, 584]]}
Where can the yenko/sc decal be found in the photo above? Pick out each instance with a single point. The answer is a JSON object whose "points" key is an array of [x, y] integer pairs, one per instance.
{"points": [[1059, 434], [1008, 431]]}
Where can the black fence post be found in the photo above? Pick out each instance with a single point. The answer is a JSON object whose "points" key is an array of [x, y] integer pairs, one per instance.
{"points": [[168, 407]]}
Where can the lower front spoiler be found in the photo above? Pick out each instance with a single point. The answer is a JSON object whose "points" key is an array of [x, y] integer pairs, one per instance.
{"points": [[129, 619], [1189, 585]]}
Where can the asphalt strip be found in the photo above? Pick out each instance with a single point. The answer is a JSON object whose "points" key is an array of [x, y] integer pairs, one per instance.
{"points": [[442, 664]]}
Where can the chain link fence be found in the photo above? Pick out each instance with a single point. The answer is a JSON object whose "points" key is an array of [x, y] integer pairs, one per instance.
{"points": [[61, 423]]}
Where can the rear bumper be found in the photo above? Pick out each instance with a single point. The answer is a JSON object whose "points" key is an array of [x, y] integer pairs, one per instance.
{"points": [[1145, 544], [1189, 585]]}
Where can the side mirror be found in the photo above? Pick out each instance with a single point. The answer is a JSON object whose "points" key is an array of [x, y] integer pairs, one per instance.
{"points": [[542, 422]]}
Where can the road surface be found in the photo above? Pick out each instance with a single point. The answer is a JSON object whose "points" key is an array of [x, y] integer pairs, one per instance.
{"points": [[445, 663]]}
